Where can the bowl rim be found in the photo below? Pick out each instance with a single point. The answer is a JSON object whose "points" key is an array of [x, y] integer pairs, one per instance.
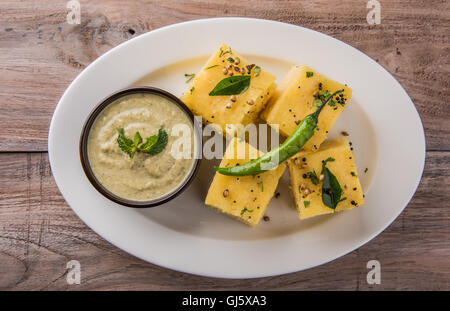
{"points": [[83, 147]]}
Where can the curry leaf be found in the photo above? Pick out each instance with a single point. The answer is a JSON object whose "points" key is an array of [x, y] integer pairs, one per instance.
{"points": [[331, 190], [324, 162], [231, 86]]}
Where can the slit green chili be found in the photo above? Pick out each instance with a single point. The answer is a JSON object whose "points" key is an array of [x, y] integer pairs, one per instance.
{"points": [[302, 133]]}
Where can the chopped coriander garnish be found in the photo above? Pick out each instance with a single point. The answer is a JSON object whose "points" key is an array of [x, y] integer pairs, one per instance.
{"points": [[245, 210], [261, 185], [353, 174], [230, 59], [190, 76], [306, 203], [257, 71], [224, 52], [317, 103], [313, 176], [323, 95], [309, 74], [192, 89], [211, 67], [365, 171]]}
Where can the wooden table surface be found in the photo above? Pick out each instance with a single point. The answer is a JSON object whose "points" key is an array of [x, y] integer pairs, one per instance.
{"points": [[40, 54]]}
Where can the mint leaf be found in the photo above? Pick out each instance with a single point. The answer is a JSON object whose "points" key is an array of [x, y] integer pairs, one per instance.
{"points": [[306, 203], [137, 139], [149, 143], [261, 185], [153, 144], [231, 86], [309, 74], [160, 144], [126, 144]]}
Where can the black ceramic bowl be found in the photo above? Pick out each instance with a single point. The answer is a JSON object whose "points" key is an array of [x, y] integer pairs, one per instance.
{"points": [[84, 148]]}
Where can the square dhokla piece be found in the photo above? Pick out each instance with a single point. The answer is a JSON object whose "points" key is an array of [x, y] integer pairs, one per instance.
{"points": [[296, 97], [343, 167], [244, 198], [230, 109]]}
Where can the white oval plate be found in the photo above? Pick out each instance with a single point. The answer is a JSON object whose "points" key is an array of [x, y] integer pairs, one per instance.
{"points": [[184, 235]]}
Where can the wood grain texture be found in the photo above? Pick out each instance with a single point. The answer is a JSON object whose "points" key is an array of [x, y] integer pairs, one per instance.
{"points": [[40, 234], [40, 54]]}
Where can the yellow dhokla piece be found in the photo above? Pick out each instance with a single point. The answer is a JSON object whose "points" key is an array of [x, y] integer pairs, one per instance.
{"points": [[294, 100], [343, 167], [222, 110], [244, 198]]}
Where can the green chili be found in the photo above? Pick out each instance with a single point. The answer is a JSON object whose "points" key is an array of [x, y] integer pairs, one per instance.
{"points": [[302, 133]]}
